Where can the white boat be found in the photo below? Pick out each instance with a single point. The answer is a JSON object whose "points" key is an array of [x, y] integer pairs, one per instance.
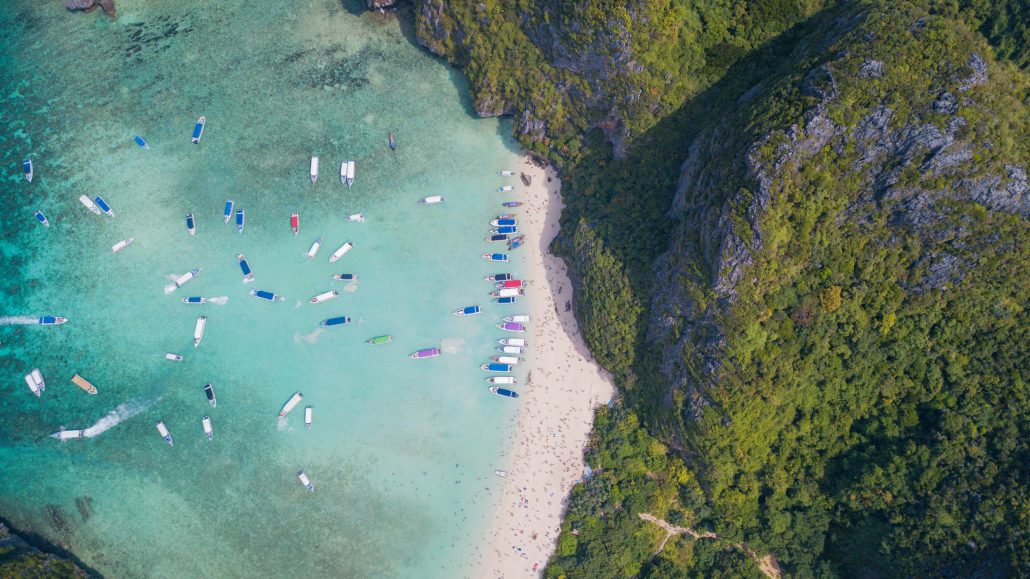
{"points": [[507, 292], [291, 403], [506, 173], [163, 431], [343, 172], [307, 416], [343, 249], [512, 360], [209, 431], [68, 434], [517, 318], [179, 281], [314, 248], [431, 200], [27, 167], [501, 379], [505, 188], [509, 349], [501, 473], [173, 357], [122, 244], [520, 342], [304, 480], [89, 204], [32, 385], [324, 296], [198, 331], [356, 218], [37, 377], [350, 173], [314, 170]]}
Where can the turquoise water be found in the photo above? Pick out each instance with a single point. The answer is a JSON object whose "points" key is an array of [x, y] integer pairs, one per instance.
{"points": [[401, 451]]}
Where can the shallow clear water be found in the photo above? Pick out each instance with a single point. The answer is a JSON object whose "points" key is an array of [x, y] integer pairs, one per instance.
{"points": [[401, 451]]}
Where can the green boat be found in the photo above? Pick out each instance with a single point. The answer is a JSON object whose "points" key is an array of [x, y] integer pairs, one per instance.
{"points": [[380, 340]]}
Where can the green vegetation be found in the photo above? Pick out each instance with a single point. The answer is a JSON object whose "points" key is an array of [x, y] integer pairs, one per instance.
{"points": [[19, 561]]}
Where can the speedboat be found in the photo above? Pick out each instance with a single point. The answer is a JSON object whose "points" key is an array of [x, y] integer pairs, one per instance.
{"points": [[512, 327], [248, 275], [89, 204], [239, 220], [496, 367], [163, 431], [425, 353], [340, 252], [498, 277], [198, 130], [496, 238], [393, 143], [307, 417], [511, 360], [86, 385], [68, 434], [228, 209], [51, 320], [356, 218], [504, 392], [198, 330], [510, 283], [350, 173], [501, 379], [520, 342], [182, 279], [33, 385], [324, 296], [508, 292], [314, 248], [340, 321], [266, 295], [122, 244], [26, 165], [295, 223], [194, 300], [142, 144], [379, 340], [103, 205], [345, 276], [507, 300], [506, 216], [505, 188], [509, 229], [516, 242], [173, 357], [209, 391], [506, 173], [469, 311], [191, 225], [343, 172], [511, 204], [509, 349], [42, 218], [502, 257], [37, 377], [209, 431], [521, 318], [304, 480], [431, 200], [504, 221], [291, 403], [314, 170], [501, 473]]}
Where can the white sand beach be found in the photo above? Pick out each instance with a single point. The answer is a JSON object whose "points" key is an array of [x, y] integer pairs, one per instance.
{"points": [[556, 405]]}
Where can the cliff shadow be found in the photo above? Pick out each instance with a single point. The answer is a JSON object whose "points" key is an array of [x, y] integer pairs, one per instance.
{"points": [[41, 543]]}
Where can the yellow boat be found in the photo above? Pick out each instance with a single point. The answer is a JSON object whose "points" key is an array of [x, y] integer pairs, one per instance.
{"points": [[84, 384]]}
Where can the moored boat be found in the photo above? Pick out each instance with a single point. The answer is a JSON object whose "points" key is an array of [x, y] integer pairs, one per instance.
{"points": [[343, 172], [350, 173], [291, 403], [304, 480], [182, 279], [295, 222], [209, 391], [338, 321], [508, 292], [512, 327], [89, 204], [506, 173], [33, 386], [209, 430], [520, 318], [314, 170], [345, 276], [68, 434], [324, 296], [84, 384], [506, 300], [379, 340], [307, 417], [163, 431], [173, 357], [520, 342], [516, 242], [393, 143], [501, 473], [509, 350], [356, 218], [261, 294], [314, 248], [496, 367], [103, 205], [194, 300], [504, 392], [511, 204], [501, 257], [42, 218], [509, 284], [501, 379], [504, 188], [228, 209], [191, 225], [509, 229], [504, 221], [240, 218], [198, 330], [142, 144], [425, 353], [498, 277], [37, 377], [340, 252], [496, 238], [431, 200], [26, 166], [198, 130], [122, 244], [248, 275], [51, 320], [469, 311], [511, 360]]}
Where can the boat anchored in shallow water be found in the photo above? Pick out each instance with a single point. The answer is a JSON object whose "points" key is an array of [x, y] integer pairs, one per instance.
{"points": [[425, 353], [511, 204], [314, 248], [26, 166], [379, 340], [496, 238], [86, 385], [42, 218], [340, 252], [510, 350], [431, 200], [182, 279], [345, 276], [51, 320], [122, 244], [307, 417], [103, 206], [194, 300], [291, 404], [173, 357], [209, 391], [503, 221], [506, 173], [324, 296], [520, 342], [240, 219], [262, 294], [393, 142], [516, 242], [349, 178], [508, 292], [34, 379], [512, 327], [498, 277], [142, 144], [511, 360], [163, 431], [507, 229], [295, 223], [505, 188], [338, 321], [304, 480], [198, 130], [496, 367], [209, 430], [499, 257], [248, 275], [198, 330], [469, 311], [314, 170], [520, 318], [191, 225], [228, 209], [356, 218], [510, 283], [501, 379], [504, 392], [506, 300], [89, 204]]}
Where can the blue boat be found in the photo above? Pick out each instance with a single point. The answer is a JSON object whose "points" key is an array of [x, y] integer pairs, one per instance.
{"points": [[228, 210], [504, 392], [42, 218], [498, 277], [496, 238], [340, 321], [393, 143], [345, 276], [239, 220], [469, 311], [143, 144], [248, 275], [510, 229], [495, 257], [103, 205], [51, 320], [194, 300], [262, 294], [198, 130], [191, 226], [503, 368], [516, 242], [504, 222], [507, 300], [511, 203], [27, 166]]}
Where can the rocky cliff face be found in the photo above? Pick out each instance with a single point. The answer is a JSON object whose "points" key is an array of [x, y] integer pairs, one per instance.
{"points": [[19, 559]]}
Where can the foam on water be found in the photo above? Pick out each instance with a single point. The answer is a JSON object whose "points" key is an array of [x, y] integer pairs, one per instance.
{"points": [[18, 320], [121, 413]]}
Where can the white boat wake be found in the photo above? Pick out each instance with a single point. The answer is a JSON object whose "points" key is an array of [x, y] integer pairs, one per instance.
{"points": [[452, 345], [122, 412], [350, 288], [171, 287], [281, 425], [309, 338], [18, 320], [218, 300]]}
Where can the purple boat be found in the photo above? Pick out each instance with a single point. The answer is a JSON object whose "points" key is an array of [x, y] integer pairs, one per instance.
{"points": [[425, 353], [512, 327]]}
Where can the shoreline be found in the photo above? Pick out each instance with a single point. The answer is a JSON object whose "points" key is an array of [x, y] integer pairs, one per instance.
{"points": [[563, 387]]}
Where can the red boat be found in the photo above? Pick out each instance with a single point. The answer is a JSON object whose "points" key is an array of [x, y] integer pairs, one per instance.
{"points": [[295, 223], [510, 283]]}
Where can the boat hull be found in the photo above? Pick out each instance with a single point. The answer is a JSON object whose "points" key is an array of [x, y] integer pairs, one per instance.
{"points": [[198, 130], [314, 248]]}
